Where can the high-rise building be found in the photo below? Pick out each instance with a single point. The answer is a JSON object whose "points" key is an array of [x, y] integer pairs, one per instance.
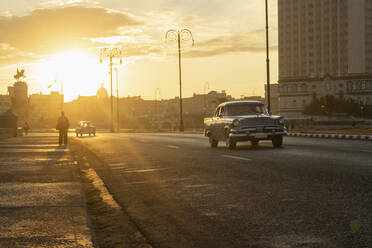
{"points": [[325, 47]]}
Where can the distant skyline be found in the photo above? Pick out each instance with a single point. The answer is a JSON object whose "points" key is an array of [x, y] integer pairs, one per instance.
{"points": [[59, 40]]}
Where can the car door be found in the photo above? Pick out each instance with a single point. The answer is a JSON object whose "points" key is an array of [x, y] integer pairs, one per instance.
{"points": [[221, 123], [214, 123]]}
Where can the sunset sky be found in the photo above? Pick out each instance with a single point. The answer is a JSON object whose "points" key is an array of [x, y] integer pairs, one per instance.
{"points": [[60, 40]]}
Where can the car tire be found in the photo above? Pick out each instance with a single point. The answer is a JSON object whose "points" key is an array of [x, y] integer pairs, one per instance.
{"points": [[230, 143], [77, 135], [277, 141], [213, 143], [254, 142], [94, 134]]}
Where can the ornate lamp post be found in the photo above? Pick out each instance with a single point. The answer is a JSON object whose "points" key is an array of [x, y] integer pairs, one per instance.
{"points": [[117, 99], [206, 86], [111, 53], [267, 59], [180, 35]]}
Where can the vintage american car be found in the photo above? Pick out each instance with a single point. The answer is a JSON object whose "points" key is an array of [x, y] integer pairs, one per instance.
{"points": [[85, 127], [243, 121]]}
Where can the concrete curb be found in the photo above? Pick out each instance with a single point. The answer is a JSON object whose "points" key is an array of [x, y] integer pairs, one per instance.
{"points": [[333, 136]]}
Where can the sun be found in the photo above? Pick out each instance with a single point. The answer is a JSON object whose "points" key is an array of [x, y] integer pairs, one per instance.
{"points": [[80, 72]]}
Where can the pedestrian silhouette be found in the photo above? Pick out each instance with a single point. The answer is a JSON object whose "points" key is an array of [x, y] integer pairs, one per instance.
{"points": [[63, 126], [26, 127]]}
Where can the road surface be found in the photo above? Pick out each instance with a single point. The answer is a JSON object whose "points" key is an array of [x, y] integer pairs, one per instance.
{"points": [[182, 193]]}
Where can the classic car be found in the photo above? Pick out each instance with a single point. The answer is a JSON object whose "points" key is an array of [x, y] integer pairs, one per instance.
{"points": [[243, 121], [85, 127]]}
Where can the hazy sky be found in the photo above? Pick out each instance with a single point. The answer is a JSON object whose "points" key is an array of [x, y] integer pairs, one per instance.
{"points": [[60, 39]]}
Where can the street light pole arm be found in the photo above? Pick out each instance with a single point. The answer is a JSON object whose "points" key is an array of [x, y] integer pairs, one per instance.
{"points": [[187, 31], [169, 33]]}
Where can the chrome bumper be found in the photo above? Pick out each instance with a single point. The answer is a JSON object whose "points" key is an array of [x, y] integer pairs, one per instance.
{"points": [[256, 135]]}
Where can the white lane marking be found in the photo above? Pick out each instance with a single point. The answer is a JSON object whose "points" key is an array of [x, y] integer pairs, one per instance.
{"points": [[143, 170], [356, 150], [236, 157], [117, 164], [119, 168], [173, 147], [197, 186]]}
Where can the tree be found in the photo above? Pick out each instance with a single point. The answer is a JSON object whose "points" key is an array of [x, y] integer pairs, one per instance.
{"points": [[330, 105]]}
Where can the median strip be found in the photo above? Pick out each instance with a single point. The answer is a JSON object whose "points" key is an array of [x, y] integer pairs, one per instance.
{"points": [[236, 157], [173, 147]]}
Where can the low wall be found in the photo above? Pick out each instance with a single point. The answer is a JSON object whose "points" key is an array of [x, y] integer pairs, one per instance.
{"points": [[7, 133]]}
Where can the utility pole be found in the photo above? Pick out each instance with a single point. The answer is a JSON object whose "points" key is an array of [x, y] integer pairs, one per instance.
{"points": [[267, 58], [111, 54], [182, 34]]}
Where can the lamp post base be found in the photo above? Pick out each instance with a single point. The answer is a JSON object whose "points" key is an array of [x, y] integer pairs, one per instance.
{"points": [[182, 129]]}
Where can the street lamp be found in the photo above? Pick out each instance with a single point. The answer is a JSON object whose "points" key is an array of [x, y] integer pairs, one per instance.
{"points": [[111, 53], [180, 35], [267, 58], [117, 98], [157, 94], [206, 86]]}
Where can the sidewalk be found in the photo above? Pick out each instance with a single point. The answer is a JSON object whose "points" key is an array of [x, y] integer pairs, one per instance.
{"points": [[41, 199]]}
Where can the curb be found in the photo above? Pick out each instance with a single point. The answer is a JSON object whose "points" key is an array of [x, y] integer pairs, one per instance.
{"points": [[332, 136]]}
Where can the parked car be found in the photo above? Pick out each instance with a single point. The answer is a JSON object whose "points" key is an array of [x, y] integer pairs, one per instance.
{"points": [[243, 121], [85, 127]]}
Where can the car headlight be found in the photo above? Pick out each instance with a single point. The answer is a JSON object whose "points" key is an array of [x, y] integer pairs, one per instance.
{"points": [[235, 123], [281, 121]]}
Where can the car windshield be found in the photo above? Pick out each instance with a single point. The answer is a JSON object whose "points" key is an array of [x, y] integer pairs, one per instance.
{"points": [[246, 109]]}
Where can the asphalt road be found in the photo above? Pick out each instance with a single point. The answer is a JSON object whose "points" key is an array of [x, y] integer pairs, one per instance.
{"points": [[181, 193]]}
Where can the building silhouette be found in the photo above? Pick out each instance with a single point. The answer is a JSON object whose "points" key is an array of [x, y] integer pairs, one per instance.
{"points": [[44, 109], [325, 48], [5, 103], [102, 92]]}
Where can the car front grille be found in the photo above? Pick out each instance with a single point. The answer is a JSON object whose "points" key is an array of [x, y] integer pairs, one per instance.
{"points": [[253, 122]]}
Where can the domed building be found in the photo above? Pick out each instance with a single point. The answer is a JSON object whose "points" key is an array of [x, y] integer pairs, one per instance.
{"points": [[102, 92]]}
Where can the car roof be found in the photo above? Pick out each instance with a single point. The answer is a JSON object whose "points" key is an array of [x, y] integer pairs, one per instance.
{"points": [[240, 103]]}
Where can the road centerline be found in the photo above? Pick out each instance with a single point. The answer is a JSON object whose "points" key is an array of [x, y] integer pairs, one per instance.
{"points": [[237, 157], [173, 147]]}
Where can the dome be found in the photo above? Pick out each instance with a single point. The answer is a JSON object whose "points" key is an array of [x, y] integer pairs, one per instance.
{"points": [[102, 92]]}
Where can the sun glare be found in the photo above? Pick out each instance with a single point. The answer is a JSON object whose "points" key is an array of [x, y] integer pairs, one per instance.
{"points": [[80, 72]]}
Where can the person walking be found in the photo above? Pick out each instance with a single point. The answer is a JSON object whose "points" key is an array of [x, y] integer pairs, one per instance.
{"points": [[26, 127], [63, 126]]}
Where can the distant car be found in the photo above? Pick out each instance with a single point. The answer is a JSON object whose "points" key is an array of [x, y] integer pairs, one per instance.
{"points": [[85, 127], [244, 121]]}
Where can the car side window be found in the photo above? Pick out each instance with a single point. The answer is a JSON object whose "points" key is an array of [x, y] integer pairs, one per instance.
{"points": [[222, 111], [217, 112]]}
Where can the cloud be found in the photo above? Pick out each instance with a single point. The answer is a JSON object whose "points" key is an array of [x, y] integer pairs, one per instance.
{"points": [[48, 30], [245, 42], [10, 55]]}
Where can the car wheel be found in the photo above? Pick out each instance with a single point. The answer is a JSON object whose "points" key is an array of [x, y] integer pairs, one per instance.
{"points": [[77, 135], [213, 142], [90, 134], [230, 143], [277, 141], [94, 134], [254, 142]]}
